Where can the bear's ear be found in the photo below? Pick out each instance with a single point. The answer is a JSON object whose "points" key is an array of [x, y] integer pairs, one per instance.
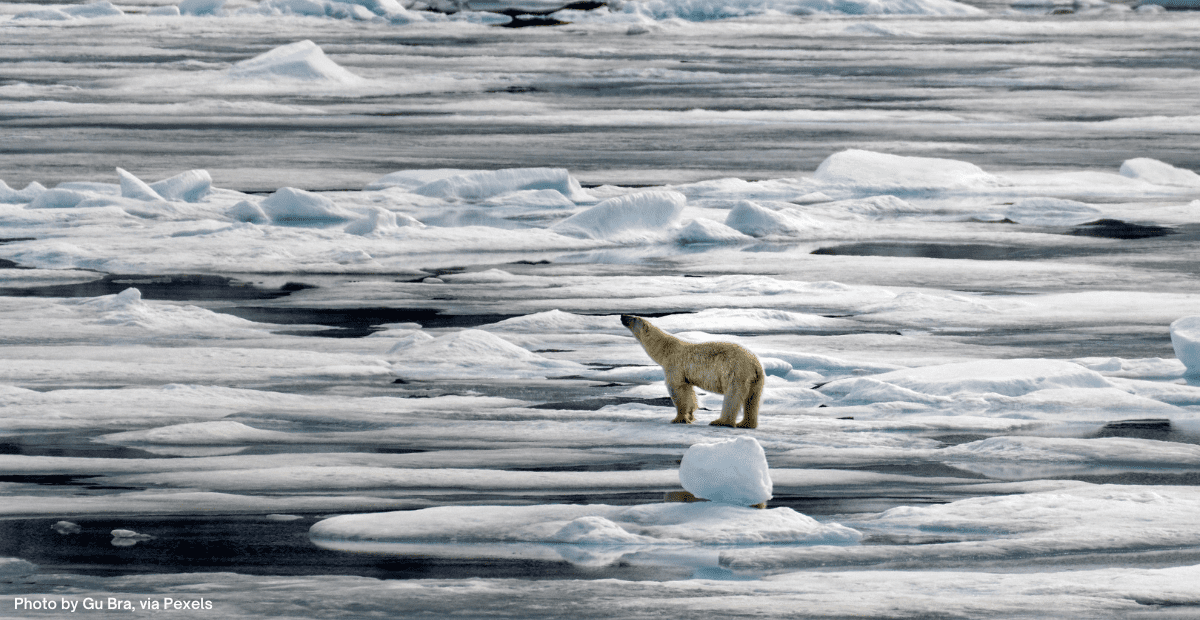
{"points": [[628, 320]]}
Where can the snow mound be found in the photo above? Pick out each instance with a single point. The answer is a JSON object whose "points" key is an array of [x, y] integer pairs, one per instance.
{"points": [[632, 214], [126, 309], [219, 432], [733, 472], [691, 524], [1006, 377], [300, 61], [701, 231], [478, 186], [1051, 212], [473, 352], [246, 211], [753, 219], [1065, 519], [896, 173], [1030, 386], [1185, 338], [704, 10], [557, 321], [295, 207], [9, 195], [1159, 173], [380, 222]]}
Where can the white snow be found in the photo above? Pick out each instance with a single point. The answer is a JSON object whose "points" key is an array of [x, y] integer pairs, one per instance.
{"points": [[885, 172], [301, 61], [295, 207], [485, 184], [733, 471], [624, 217], [756, 220], [597, 524], [474, 353], [1159, 173]]}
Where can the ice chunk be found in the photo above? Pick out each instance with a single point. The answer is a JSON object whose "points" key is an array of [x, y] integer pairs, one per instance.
{"points": [[133, 187], [730, 472], [200, 7], [66, 527], [896, 173], [296, 207], [756, 220], [58, 198], [9, 195], [190, 186], [1051, 212], [632, 214], [13, 567], [1159, 173], [246, 211], [478, 186], [707, 231], [303, 61], [1185, 338], [380, 221]]}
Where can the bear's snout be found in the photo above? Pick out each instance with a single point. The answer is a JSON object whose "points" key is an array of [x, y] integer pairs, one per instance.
{"points": [[627, 320]]}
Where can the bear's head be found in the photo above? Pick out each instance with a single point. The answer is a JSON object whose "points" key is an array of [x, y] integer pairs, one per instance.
{"points": [[628, 320]]}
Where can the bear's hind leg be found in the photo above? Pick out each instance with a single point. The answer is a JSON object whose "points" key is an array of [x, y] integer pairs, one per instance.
{"points": [[750, 408], [729, 409], [684, 398]]}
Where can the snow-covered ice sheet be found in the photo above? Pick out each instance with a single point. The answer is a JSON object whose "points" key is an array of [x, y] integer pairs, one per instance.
{"points": [[358, 267]]}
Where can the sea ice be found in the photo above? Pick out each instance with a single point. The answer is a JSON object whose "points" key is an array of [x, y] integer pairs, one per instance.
{"points": [[756, 220], [633, 216], [662, 524], [295, 207], [881, 172], [302, 61], [481, 185], [733, 471], [1159, 173], [474, 353], [1185, 338]]}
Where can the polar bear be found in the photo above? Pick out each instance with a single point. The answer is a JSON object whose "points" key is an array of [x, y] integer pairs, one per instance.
{"points": [[718, 367]]}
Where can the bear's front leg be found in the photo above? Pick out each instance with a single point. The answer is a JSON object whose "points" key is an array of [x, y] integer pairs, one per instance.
{"points": [[684, 398]]}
